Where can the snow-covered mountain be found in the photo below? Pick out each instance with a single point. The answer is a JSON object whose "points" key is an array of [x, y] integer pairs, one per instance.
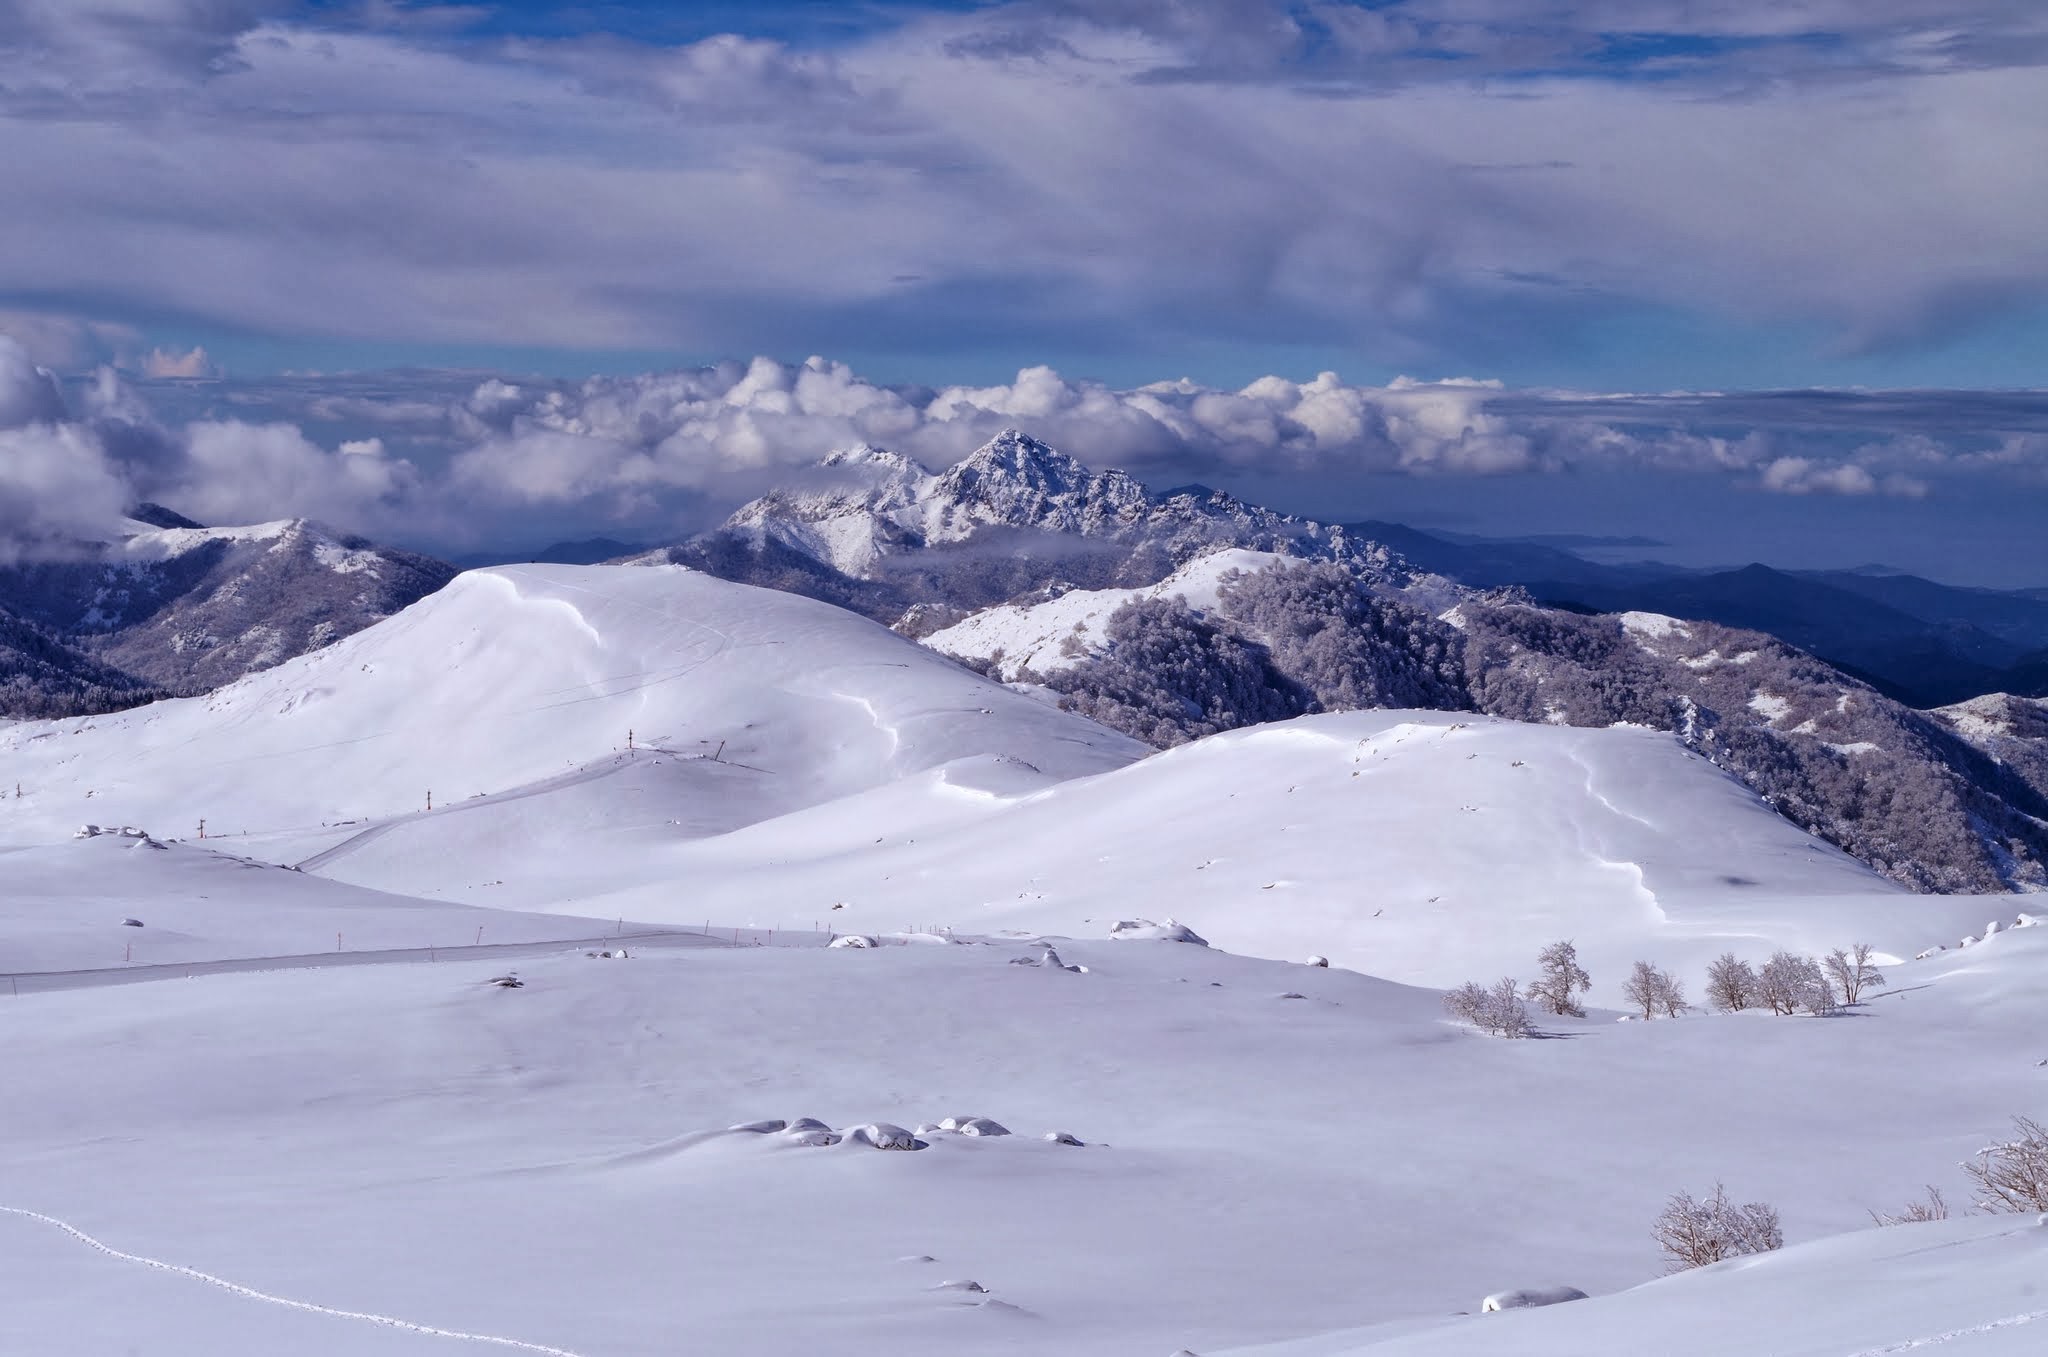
{"points": [[659, 748], [1014, 514], [171, 606]]}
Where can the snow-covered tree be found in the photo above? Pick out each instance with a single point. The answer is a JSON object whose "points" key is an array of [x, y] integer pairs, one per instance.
{"points": [[1498, 1010], [1789, 982], [1654, 991], [1561, 978], [1731, 984], [1694, 1233], [2013, 1176]]}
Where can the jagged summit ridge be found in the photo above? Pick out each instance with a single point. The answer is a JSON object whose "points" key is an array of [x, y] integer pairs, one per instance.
{"points": [[879, 504]]}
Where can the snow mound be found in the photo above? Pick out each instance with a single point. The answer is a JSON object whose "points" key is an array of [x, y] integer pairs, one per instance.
{"points": [[1166, 930], [1530, 1297], [883, 1136], [857, 941]]}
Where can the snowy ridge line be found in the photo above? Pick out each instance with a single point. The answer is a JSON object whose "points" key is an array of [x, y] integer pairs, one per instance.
{"points": [[290, 1304], [1949, 1336]]}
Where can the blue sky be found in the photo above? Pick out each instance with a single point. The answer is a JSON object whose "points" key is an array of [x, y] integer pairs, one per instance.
{"points": [[1576, 195]]}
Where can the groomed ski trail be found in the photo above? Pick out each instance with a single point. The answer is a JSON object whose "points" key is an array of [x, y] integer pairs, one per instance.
{"points": [[251, 1293]]}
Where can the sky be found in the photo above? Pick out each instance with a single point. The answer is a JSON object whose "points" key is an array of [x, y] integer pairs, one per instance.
{"points": [[1763, 278]]}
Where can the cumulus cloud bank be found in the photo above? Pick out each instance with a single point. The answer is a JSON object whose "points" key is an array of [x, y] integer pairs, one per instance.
{"points": [[456, 461]]}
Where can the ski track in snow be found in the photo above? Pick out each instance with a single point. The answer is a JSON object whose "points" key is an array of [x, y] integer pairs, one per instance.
{"points": [[251, 1293], [1949, 1336]]}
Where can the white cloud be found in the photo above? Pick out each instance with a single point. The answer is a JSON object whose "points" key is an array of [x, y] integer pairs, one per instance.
{"points": [[56, 488], [28, 392], [236, 473], [1805, 476], [661, 454], [161, 362]]}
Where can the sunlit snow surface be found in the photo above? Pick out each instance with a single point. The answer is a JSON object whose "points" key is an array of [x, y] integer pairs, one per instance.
{"points": [[408, 1157]]}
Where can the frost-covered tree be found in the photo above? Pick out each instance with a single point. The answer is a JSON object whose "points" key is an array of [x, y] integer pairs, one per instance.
{"points": [[1852, 971], [1731, 984], [1498, 1010], [2013, 1175], [1560, 978], [1167, 675], [1351, 649], [1654, 991], [1695, 1233], [1789, 982]]}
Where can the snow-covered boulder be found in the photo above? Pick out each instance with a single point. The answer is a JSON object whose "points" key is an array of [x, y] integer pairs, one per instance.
{"points": [[1530, 1297], [981, 1126], [1319, 960], [1166, 930], [883, 1136], [859, 940], [810, 1131]]}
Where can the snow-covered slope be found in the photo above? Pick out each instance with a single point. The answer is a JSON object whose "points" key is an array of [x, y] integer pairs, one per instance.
{"points": [[1962, 1288], [1428, 847], [530, 675], [1054, 633], [549, 1164], [66, 907]]}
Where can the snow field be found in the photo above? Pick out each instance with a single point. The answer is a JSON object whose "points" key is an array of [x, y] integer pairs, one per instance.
{"points": [[549, 1163]]}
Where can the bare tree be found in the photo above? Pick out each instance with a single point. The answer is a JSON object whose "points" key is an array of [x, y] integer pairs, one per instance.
{"points": [[1852, 972], [1467, 1002], [1561, 978], [1731, 984], [2013, 1176], [1671, 995], [1498, 1010], [1694, 1233], [1654, 991], [1788, 983], [1934, 1208]]}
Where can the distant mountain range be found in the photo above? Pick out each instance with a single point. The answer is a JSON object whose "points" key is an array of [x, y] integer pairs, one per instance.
{"points": [[1924, 643], [1803, 684], [173, 608], [1377, 614]]}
